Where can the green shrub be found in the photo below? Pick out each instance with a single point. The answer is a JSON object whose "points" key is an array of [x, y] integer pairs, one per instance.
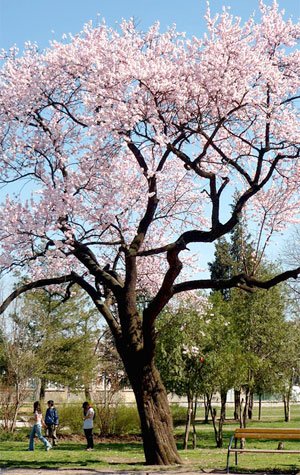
{"points": [[19, 435], [109, 420], [118, 420], [178, 414], [126, 420], [71, 418]]}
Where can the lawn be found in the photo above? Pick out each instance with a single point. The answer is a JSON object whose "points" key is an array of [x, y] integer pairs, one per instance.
{"points": [[129, 455]]}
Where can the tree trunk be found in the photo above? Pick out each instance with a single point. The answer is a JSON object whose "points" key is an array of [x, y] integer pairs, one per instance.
{"points": [[237, 404], [154, 411], [246, 408], [87, 393], [222, 418], [287, 399], [42, 394], [287, 410], [218, 428], [207, 404], [259, 406], [250, 405], [188, 421], [194, 413]]}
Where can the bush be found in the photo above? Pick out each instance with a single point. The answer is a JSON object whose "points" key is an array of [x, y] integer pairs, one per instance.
{"points": [[118, 420], [109, 420], [18, 435], [178, 414], [70, 418]]}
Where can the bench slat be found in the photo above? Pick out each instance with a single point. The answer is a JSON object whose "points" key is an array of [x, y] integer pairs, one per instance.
{"points": [[266, 451], [269, 436], [265, 430]]}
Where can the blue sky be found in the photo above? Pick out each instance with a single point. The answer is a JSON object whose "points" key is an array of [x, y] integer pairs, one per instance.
{"points": [[42, 20]]}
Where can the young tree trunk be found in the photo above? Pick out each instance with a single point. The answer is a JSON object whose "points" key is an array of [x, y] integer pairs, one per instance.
{"points": [[287, 409], [237, 404], [154, 411], [218, 425], [259, 406], [222, 418], [42, 394], [194, 413], [15, 409], [188, 421], [250, 405], [287, 400], [213, 414], [87, 393], [207, 403], [246, 408]]}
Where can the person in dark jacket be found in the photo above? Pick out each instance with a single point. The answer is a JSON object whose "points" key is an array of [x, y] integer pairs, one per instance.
{"points": [[51, 421]]}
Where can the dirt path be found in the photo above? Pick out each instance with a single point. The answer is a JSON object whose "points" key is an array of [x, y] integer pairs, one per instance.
{"points": [[16, 471]]}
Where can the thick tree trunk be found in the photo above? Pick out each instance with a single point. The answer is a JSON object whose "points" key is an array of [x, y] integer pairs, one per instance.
{"points": [[155, 415]]}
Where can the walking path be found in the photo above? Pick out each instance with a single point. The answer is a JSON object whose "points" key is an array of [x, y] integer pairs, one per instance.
{"points": [[180, 471], [16, 471]]}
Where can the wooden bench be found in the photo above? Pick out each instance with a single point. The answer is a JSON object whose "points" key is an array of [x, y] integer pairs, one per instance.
{"points": [[262, 434]]}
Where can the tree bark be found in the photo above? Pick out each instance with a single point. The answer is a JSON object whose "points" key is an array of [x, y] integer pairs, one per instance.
{"points": [[222, 418], [194, 413], [87, 393], [246, 408], [207, 404], [287, 410], [250, 405], [42, 394], [188, 421], [237, 404], [259, 406], [155, 415]]}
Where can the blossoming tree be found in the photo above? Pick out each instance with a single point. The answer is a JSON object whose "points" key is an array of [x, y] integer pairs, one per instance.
{"points": [[127, 147]]}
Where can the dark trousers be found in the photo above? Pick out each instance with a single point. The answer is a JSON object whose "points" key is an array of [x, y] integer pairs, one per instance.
{"points": [[51, 433], [89, 438]]}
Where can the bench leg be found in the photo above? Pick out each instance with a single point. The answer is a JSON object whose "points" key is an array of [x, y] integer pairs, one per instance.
{"points": [[228, 453], [236, 454]]}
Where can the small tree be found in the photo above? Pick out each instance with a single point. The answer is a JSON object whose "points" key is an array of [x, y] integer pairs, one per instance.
{"points": [[19, 365], [180, 354]]}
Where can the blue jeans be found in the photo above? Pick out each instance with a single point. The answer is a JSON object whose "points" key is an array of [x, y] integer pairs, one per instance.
{"points": [[37, 431]]}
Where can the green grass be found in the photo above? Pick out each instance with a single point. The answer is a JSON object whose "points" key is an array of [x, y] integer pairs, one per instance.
{"points": [[129, 455]]}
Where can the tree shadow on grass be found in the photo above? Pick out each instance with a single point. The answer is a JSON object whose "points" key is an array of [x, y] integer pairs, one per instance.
{"points": [[91, 464], [95, 459]]}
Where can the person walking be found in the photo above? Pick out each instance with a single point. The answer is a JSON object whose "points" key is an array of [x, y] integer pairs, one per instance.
{"points": [[37, 428], [88, 424], [51, 421]]}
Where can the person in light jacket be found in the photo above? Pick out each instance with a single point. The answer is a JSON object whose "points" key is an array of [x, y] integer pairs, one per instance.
{"points": [[88, 424]]}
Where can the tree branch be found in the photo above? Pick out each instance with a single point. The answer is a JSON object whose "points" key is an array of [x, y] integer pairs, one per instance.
{"points": [[34, 285], [242, 281]]}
